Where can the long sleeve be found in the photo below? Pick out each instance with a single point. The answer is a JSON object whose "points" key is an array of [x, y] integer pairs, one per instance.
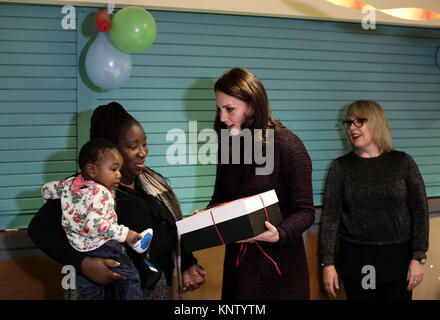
{"points": [[330, 217], [46, 232], [217, 195], [291, 179], [52, 190], [101, 219], [418, 208], [296, 176]]}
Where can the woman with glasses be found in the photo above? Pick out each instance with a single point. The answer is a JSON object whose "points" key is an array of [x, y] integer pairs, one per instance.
{"points": [[375, 204]]}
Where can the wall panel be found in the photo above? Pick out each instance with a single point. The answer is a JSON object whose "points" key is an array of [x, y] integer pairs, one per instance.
{"points": [[37, 107], [311, 70]]}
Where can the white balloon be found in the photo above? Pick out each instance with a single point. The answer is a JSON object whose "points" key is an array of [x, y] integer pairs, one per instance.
{"points": [[107, 66]]}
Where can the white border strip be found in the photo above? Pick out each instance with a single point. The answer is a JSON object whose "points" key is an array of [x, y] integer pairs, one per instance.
{"points": [[226, 212]]}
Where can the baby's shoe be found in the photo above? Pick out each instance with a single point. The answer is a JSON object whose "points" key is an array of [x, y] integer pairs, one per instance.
{"points": [[142, 245], [150, 265]]}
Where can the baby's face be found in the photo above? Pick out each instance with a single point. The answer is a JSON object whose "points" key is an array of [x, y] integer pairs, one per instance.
{"points": [[108, 167]]}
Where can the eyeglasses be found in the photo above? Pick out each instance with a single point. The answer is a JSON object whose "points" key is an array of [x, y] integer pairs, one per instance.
{"points": [[357, 123]]}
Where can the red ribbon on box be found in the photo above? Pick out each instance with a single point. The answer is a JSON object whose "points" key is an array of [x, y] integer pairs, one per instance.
{"points": [[243, 246]]}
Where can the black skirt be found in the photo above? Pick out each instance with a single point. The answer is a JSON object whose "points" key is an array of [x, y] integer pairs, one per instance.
{"points": [[390, 262]]}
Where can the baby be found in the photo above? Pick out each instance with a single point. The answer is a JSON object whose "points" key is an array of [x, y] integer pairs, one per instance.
{"points": [[89, 218]]}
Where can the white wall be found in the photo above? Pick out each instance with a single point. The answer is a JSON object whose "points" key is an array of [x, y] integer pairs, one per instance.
{"points": [[306, 9]]}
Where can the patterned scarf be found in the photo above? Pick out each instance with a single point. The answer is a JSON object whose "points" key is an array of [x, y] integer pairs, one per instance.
{"points": [[154, 184]]}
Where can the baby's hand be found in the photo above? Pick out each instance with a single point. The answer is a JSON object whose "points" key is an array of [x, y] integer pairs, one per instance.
{"points": [[132, 237]]}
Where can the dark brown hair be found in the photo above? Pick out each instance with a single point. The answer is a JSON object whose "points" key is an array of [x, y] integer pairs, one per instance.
{"points": [[91, 151], [245, 86]]}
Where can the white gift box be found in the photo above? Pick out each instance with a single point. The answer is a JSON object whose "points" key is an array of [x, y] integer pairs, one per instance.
{"points": [[237, 220]]}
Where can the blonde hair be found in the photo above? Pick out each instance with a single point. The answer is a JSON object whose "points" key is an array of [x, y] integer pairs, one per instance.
{"points": [[377, 122]]}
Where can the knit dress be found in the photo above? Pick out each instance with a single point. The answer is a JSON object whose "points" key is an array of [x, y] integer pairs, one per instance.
{"points": [[256, 276]]}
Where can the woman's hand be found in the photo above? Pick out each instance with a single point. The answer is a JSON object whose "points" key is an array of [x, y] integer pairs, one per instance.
{"points": [[193, 277], [97, 270], [415, 274], [331, 281], [271, 235]]}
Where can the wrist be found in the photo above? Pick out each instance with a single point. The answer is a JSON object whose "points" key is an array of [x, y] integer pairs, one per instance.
{"points": [[421, 261], [277, 236], [327, 261], [419, 256], [282, 235]]}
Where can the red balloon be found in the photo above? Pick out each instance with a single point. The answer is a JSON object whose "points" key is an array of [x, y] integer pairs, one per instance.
{"points": [[102, 21]]}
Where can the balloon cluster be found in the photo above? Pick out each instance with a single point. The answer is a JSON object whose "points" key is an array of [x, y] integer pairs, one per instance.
{"points": [[108, 61]]}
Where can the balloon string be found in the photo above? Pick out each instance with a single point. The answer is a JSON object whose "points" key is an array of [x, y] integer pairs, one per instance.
{"points": [[110, 6]]}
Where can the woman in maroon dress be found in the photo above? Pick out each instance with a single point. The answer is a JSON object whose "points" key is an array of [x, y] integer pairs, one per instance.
{"points": [[272, 265]]}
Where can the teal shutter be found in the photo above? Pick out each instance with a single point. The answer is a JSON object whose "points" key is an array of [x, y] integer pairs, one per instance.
{"points": [[311, 70]]}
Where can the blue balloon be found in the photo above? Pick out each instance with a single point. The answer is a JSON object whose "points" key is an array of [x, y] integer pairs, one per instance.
{"points": [[107, 66]]}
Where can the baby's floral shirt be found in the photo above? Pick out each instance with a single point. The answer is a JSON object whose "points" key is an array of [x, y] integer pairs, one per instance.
{"points": [[89, 218]]}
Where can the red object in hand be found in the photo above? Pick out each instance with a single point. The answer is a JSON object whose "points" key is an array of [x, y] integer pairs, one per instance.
{"points": [[102, 20]]}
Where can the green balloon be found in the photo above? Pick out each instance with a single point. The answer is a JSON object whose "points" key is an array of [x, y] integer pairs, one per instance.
{"points": [[133, 29]]}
